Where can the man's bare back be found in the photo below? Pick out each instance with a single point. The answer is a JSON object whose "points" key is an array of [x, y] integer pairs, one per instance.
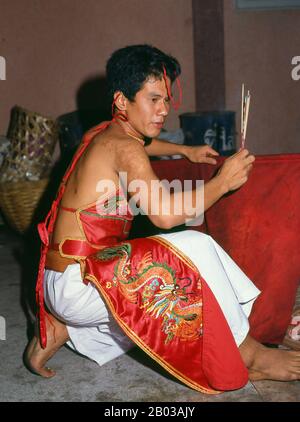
{"points": [[108, 154]]}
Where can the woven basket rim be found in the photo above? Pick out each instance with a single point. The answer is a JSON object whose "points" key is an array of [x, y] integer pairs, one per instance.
{"points": [[34, 113], [22, 182]]}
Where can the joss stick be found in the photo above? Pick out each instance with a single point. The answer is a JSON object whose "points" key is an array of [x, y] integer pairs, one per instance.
{"points": [[247, 113], [244, 115], [242, 108]]}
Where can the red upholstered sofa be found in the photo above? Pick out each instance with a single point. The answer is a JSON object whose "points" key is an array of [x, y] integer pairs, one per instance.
{"points": [[259, 226]]}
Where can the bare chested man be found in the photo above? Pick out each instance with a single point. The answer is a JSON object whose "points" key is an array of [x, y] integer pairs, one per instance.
{"points": [[140, 78]]}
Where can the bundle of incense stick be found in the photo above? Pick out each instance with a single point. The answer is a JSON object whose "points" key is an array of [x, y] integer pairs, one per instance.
{"points": [[244, 114]]}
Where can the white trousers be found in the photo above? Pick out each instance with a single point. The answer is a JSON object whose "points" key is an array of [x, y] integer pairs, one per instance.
{"points": [[91, 327]]}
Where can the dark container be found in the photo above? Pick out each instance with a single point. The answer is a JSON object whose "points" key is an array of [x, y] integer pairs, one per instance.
{"points": [[215, 128], [73, 125]]}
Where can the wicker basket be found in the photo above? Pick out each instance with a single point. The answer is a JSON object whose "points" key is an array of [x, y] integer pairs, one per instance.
{"points": [[18, 201], [32, 141]]}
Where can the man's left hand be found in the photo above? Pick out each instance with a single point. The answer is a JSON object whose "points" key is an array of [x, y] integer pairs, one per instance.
{"points": [[201, 154]]}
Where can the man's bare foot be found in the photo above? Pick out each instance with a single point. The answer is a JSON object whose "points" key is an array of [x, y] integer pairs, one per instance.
{"points": [[35, 357], [266, 363]]}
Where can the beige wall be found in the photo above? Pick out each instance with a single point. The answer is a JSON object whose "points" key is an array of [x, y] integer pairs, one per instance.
{"points": [[53, 47], [259, 46]]}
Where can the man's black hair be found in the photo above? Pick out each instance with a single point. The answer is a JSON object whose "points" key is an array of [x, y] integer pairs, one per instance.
{"points": [[130, 67]]}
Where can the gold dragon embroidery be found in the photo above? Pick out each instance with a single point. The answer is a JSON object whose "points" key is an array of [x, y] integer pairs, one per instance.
{"points": [[154, 287]]}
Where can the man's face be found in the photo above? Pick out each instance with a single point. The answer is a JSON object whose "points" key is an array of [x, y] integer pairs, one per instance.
{"points": [[148, 112]]}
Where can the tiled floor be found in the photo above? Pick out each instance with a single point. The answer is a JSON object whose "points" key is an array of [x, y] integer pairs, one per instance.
{"points": [[130, 378]]}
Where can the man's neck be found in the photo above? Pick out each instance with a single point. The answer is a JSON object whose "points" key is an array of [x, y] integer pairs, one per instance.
{"points": [[132, 133]]}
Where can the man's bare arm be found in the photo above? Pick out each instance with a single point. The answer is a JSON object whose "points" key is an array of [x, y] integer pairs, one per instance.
{"points": [[196, 154], [136, 164], [159, 147]]}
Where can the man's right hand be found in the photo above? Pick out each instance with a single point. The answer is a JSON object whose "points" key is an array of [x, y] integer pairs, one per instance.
{"points": [[235, 170]]}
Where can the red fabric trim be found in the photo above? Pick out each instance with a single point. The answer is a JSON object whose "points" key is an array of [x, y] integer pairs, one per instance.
{"points": [[75, 248], [67, 209]]}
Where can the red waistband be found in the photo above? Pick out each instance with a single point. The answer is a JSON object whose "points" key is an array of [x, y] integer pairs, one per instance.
{"points": [[75, 248]]}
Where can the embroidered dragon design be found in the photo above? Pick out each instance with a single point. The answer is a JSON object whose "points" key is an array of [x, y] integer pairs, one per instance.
{"points": [[154, 287]]}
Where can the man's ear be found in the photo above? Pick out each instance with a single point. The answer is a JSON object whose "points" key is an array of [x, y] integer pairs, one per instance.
{"points": [[120, 101]]}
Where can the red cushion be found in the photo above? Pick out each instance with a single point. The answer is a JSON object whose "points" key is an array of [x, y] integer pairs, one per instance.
{"points": [[259, 226]]}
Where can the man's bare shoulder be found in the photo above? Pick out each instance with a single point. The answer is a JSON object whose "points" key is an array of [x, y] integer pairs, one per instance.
{"points": [[101, 150], [111, 142], [131, 154], [121, 152]]}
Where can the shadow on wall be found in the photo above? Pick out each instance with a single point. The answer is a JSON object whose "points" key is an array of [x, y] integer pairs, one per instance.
{"points": [[92, 109], [92, 102]]}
